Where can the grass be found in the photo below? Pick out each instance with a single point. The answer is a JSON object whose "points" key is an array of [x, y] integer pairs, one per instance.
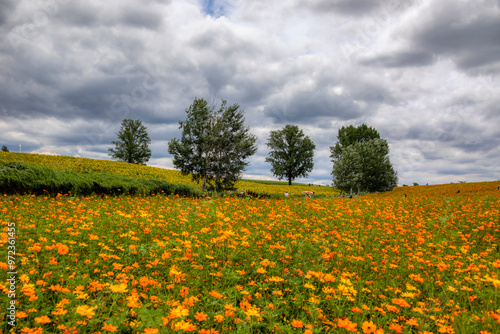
{"points": [[19, 178]]}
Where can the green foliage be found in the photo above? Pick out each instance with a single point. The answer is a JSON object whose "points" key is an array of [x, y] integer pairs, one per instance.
{"points": [[19, 178], [4, 148], [350, 135], [361, 161], [133, 142], [274, 183], [214, 145], [291, 153]]}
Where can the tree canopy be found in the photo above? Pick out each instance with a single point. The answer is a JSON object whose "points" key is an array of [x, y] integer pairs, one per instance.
{"points": [[133, 143], [291, 153], [4, 148], [350, 135], [361, 161], [214, 145]]}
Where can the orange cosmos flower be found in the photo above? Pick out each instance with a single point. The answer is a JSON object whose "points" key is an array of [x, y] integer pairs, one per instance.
{"points": [[109, 328], [71, 330], [21, 315], [184, 326], [184, 291], [36, 247], [190, 301], [261, 271], [43, 320], [133, 300], [200, 316], [347, 324], [151, 331], [179, 312], [297, 323], [219, 318], [62, 249], [412, 322], [397, 328], [368, 327], [86, 311], [400, 302], [215, 294]]}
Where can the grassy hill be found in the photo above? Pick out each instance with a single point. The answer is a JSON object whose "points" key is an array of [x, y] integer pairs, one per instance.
{"points": [[136, 172]]}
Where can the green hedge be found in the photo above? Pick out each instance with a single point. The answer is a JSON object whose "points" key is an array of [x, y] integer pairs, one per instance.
{"points": [[19, 178]]}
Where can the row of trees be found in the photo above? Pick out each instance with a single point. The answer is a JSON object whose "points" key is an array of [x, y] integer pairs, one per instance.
{"points": [[215, 145]]}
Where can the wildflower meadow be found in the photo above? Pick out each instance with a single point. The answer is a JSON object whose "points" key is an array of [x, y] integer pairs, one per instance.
{"points": [[421, 259]]}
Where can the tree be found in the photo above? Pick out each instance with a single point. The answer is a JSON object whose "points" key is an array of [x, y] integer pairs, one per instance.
{"points": [[214, 145], [133, 143], [291, 154], [350, 135], [5, 149], [363, 163], [347, 174]]}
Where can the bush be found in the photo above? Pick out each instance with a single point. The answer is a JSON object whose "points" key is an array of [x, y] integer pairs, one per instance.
{"points": [[19, 178]]}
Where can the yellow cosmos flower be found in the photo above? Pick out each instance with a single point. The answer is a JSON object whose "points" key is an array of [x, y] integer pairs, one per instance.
{"points": [[119, 288], [86, 311]]}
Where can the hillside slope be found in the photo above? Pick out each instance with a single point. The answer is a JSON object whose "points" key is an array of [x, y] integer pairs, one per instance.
{"points": [[84, 165]]}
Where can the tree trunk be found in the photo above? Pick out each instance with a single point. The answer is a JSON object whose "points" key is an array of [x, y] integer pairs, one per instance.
{"points": [[204, 183], [206, 174]]}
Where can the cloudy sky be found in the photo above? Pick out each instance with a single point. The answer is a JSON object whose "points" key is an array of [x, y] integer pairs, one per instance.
{"points": [[424, 73]]}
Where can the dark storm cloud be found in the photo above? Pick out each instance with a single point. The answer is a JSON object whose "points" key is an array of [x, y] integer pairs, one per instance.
{"points": [[96, 97], [6, 8], [470, 42], [148, 19], [217, 75], [86, 14], [350, 7], [307, 107], [455, 31], [355, 7], [403, 59], [79, 14]]}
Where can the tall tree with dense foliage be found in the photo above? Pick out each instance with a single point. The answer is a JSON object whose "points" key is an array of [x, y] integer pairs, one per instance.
{"points": [[361, 161], [291, 153], [349, 135], [133, 143], [214, 145], [4, 148]]}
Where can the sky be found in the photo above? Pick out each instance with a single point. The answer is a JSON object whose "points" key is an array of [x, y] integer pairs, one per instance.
{"points": [[424, 73]]}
